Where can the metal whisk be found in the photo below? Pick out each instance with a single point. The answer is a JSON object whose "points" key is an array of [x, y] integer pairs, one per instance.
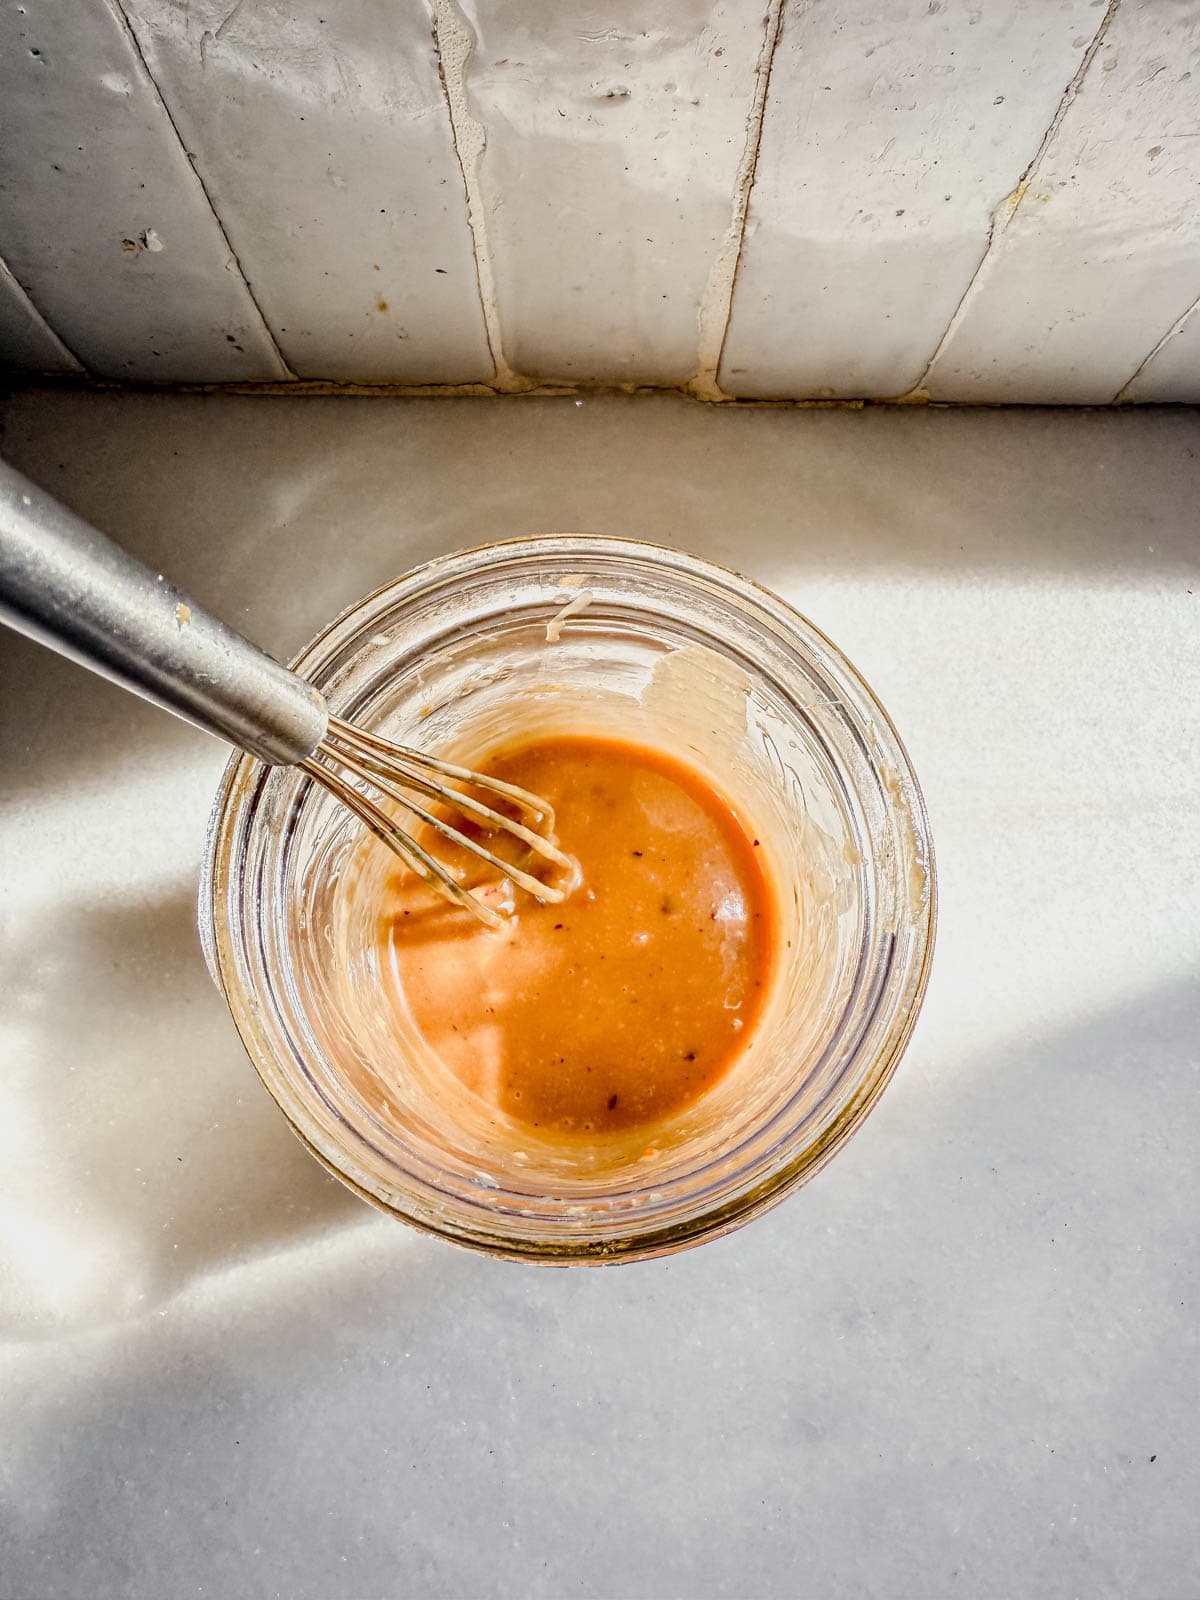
{"points": [[65, 584]]}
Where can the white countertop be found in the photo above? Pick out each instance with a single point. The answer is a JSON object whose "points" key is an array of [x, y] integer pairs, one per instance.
{"points": [[965, 1360]]}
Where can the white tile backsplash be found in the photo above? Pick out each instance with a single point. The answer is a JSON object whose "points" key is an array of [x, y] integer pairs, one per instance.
{"points": [[614, 134], [960, 201], [891, 135], [1101, 254], [320, 130], [103, 222]]}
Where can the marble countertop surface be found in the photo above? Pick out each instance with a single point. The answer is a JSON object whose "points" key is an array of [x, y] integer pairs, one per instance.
{"points": [[963, 1361]]}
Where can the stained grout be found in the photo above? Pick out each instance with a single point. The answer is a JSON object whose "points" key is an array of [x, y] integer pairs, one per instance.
{"points": [[1004, 213], [716, 305], [118, 8], [308, 388], [454, 43]]}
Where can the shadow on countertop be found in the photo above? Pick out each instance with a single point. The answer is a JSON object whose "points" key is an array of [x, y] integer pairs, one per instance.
{"points": [[351, 492], [277, 513], [153, 1154], [964, 1354]]}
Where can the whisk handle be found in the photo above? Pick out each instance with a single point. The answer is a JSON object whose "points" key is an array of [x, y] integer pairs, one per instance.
{"points": [[66, 585]]}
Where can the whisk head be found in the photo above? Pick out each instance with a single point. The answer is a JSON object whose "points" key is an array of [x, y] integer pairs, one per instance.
{"points": [[406, 777]]}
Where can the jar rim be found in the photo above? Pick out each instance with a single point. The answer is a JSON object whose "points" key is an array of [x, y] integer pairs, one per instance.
{"points": [[900, 989]]}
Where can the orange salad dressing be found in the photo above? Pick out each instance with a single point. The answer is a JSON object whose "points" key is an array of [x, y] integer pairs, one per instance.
{"points": [[625, 1003]]}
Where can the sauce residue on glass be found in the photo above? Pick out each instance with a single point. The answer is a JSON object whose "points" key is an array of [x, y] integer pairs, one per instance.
{"points": [[625, 1003]]}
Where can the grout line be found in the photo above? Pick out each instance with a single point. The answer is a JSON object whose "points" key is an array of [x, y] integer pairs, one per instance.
{"points": [[1122, 394], [73, 364], [228, 20], [716, 303], [1010, 205], [329, 388], [453, 44], [118, 8]]}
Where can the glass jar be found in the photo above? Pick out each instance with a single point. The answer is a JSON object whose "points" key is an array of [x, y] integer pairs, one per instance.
{"points": [[661, 648]]}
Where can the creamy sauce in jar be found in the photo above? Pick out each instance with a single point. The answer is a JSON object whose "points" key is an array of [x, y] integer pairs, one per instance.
{"points": [[624, 1004]]}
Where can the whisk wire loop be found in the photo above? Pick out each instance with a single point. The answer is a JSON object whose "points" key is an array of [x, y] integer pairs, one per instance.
{"points": [[397, 772]]}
